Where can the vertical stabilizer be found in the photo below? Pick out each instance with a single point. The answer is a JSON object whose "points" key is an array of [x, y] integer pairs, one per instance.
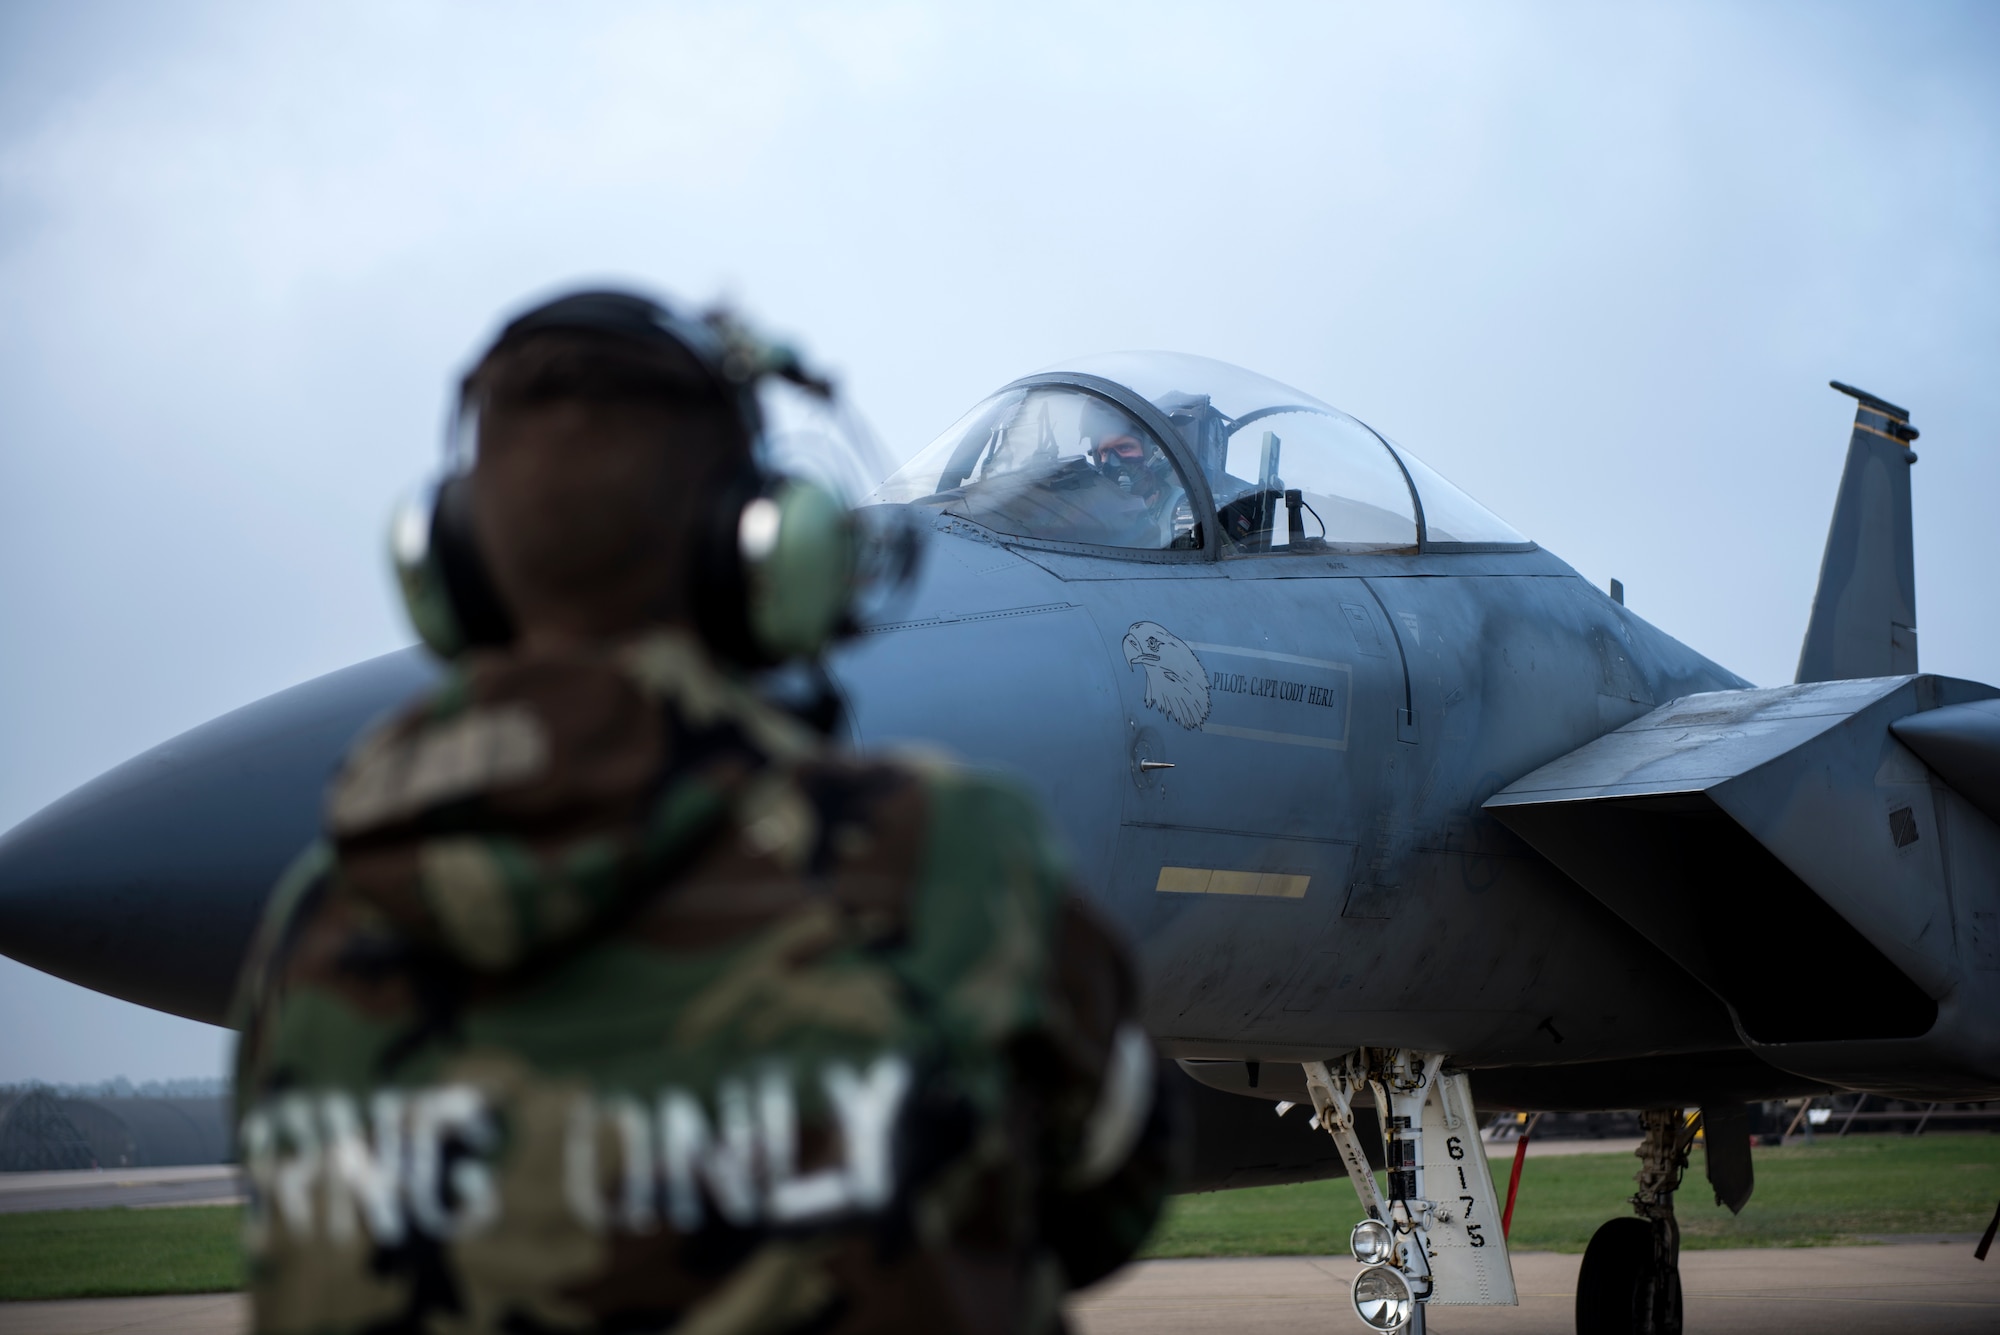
{"points": [[1864, 616]]}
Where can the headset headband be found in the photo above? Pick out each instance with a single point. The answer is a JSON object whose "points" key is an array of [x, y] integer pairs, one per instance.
{"points": [[732, 357], [777, 559]]}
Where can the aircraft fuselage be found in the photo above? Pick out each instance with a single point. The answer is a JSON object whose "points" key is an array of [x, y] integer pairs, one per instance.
{"points": [[1295, 839]]}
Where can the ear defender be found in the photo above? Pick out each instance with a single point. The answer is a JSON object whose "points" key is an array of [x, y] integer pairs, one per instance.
{"points": [[776, 571], [447, 595], [777, 568], [419, 580], [799, 552]]}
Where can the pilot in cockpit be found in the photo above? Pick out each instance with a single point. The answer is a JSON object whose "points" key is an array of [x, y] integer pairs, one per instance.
{"points": [[1062, 464], [1123, 453]]}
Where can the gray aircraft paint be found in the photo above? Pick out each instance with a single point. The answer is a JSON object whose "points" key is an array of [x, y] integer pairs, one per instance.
{"points": [[1864, 613], [1326, 731], [1797, 808], [1404, 865]]}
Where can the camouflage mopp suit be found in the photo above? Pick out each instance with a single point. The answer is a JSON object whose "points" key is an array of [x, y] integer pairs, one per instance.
{"points": [[615, 999]]}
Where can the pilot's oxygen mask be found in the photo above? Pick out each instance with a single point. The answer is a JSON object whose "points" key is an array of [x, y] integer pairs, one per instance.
{"points": [[1081, 461], [1057, 463]]}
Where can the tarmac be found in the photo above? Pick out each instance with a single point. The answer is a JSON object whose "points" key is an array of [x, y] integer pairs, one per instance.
{"points": [[137, 1188], [1771, 1291], [1930, 1283], [1934, 1287]]}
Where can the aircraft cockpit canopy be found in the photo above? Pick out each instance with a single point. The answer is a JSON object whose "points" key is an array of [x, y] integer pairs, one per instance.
{"points": [[1058, 463], [1080, 454]]}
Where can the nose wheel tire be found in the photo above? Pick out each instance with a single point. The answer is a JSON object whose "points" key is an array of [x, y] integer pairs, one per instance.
{"points": [[1625, 1286]]}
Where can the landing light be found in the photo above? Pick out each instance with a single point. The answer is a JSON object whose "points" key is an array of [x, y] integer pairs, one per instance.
{"points": [[1370, 1242], [1382, 1298]]}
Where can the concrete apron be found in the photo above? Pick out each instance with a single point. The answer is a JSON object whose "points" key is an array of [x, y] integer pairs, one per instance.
{"points": [[1889, 1290], [1767, 1291]]}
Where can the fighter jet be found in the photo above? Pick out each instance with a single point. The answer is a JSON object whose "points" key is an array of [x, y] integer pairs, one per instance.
{"points": [[1408, 822]]}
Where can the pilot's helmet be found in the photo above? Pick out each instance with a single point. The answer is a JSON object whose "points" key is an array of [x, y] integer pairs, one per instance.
{"points": [[1126, 453], [1102, 421]]}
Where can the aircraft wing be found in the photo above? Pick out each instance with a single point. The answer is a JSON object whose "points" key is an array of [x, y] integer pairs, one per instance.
{"points": [[1791, 848]]}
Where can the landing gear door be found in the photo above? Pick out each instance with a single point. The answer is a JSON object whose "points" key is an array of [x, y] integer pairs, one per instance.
{"points": [[1468, 1254]]}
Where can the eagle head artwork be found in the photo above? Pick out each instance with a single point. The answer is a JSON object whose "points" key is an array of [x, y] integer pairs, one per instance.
{"points": [[1176, 682]]}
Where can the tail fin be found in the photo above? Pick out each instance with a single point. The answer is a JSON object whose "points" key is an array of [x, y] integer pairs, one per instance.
{"points": [[1864, 616]]}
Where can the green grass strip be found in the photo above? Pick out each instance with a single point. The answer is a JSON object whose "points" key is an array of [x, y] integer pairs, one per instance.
{"points": [[1807, 1195], [120, 1253]]}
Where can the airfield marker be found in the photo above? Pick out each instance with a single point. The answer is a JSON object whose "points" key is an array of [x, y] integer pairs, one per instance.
{"points": [[1514, 1178]]}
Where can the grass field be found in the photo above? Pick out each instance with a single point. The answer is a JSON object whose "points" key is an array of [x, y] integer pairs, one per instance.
{"points": [[114, 1253], [1807, 1195], [1835, 1191]]}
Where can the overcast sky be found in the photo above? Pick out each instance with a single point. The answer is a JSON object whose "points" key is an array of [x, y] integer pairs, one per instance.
{"points": [[1594, 263]]}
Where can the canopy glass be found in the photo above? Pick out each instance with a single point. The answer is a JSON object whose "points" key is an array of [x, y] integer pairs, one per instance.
{"points": [[1286, 472]]}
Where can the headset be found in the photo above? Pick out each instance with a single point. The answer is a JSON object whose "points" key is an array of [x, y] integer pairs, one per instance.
{"points": [[777, 564]]}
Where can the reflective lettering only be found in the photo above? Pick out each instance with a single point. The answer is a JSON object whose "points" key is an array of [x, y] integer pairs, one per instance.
{"points": [[420, 1161]]}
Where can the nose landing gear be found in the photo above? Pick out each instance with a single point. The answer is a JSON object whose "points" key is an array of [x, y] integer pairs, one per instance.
{"points": [[1435, 1237], [1630, 1283]]}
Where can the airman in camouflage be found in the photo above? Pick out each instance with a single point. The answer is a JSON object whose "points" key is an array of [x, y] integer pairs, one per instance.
{"points": [[614, 998]]}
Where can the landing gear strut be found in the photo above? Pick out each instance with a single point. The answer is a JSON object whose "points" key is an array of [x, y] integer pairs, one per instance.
{"points": [[1630, 1283], [1435, 1236]]}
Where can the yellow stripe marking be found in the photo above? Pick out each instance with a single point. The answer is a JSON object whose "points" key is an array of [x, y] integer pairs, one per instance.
{"points": [[1203, 881], [1877, 431], [1271, 656], [1286, 738]]}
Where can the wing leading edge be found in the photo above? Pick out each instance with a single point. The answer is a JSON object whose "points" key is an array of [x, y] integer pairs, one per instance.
{"points": [[1787, 849]]}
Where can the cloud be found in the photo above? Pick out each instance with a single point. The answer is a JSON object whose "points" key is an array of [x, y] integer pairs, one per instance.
{"points": [[1593, 263]]}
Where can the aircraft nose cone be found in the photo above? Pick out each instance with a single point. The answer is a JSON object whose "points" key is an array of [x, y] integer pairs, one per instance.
{"points": [[148, 881]]}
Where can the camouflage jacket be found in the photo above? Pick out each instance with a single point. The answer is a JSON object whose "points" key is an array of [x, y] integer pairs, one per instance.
{"points": [[612, 999]]}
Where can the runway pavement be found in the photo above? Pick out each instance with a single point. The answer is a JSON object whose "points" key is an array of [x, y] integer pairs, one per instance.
{"points": [[195, 1314], [1936, 1288], [93, 1189], [1772, 1291]]}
